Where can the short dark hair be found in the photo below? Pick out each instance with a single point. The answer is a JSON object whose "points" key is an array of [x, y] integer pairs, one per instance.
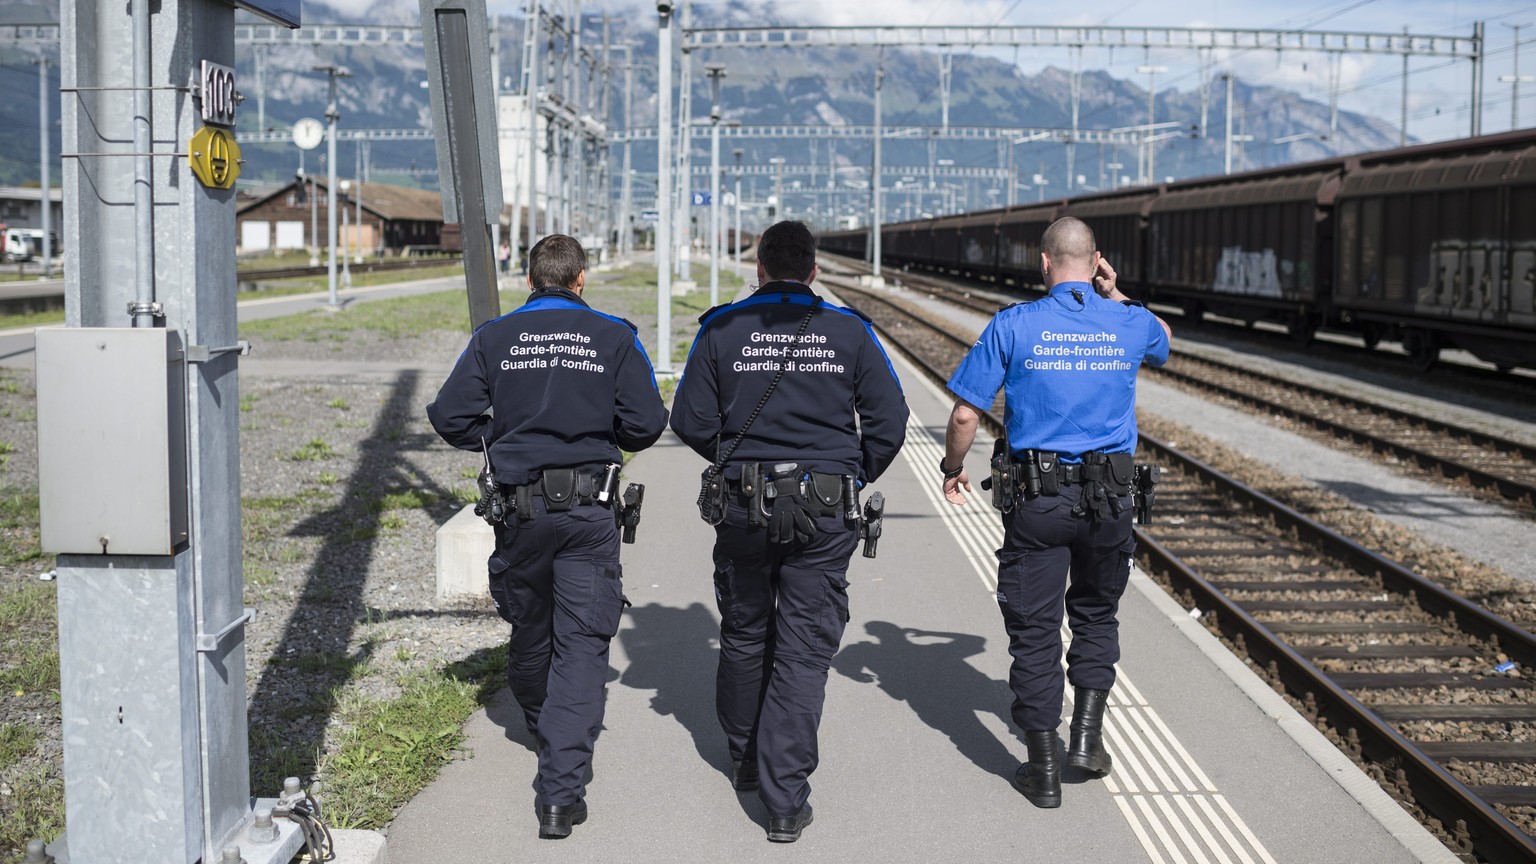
{"points": [[1069, 239], [787, 250], [556, 261]]}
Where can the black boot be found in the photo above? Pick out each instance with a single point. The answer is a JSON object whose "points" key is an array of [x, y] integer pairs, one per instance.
{"points": [[1039, 779], [1087, 751]]}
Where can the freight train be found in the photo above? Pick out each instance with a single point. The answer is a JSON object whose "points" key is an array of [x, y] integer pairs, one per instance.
{"points": [[1432, 246]]}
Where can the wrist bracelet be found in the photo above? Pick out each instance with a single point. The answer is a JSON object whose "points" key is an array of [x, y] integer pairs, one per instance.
{"points": [[948, 473]]}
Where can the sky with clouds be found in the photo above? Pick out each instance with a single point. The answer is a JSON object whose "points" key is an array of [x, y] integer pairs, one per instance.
{"points": [[1439, 91]]}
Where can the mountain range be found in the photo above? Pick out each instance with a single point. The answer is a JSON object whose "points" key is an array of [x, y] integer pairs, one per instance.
{"points": [[762, 87]]}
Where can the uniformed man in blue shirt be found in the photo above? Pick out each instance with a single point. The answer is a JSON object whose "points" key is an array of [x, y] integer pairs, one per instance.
{"points": [[1067, 367], [554, 390], [795, 404]]}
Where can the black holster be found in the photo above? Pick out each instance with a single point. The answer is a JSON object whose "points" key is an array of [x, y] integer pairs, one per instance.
{"points": [[712, 496], [1005, 476]]}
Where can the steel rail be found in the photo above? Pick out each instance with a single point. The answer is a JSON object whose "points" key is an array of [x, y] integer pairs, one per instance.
{"points": [[1474, 826], [1450, 468]]}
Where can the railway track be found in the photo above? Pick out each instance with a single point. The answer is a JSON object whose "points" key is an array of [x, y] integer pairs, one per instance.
{"points": [[1419, 685]]}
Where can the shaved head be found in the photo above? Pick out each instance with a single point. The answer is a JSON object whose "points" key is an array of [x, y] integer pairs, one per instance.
{"points": [[1069, 242]]}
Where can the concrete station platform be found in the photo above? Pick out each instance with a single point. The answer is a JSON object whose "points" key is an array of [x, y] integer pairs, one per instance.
{"points": [[916, 743]]}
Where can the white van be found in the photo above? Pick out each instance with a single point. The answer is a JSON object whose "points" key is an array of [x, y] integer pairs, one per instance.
{"points": [[14, 245]]}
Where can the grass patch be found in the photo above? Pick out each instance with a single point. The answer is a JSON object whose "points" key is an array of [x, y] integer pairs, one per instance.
{"points": [[29, 659], [36, 815], [339, 404], [338, 665], [269, 517], [18, 527], [31, 319], [404, 499], [396, 318], [315, 450], [31, 604], [247, 402], [38, 670], [16, 741], [391, 750]]}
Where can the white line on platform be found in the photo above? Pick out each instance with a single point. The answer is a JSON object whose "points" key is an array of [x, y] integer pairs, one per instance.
{"points": [[1156, 772]]}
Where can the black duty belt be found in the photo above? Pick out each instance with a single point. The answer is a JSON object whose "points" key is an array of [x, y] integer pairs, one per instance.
{"points": [[824, 492], [561, 489]]}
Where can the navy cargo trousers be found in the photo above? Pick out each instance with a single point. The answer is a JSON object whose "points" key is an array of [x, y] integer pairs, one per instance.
{"points": [[556, 579], [1052, 558], [783, 608]]}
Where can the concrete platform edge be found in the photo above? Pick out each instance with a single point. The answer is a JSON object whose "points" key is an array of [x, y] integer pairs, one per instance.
{"points": [[1415, 838], [354, 846]]}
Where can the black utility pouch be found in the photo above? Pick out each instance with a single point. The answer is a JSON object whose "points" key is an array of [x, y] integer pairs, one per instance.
{"points": [[827, 490], [1122, 473], [1048, 462], [559, 489]]}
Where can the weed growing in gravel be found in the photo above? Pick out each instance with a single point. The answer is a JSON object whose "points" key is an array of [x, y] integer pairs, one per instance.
{"points": [[247, 403], [269, 517], [326, 478], [38, 670], [29, 656], [34, 811], [404, 499], [465, 494], [314, 451], [390, 750], [18, 526], [339, 404], [16, 741]]}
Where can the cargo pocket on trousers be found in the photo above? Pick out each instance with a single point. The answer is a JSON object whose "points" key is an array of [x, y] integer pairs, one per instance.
{"points": [[834, 616], [607, 602], [500, 593]]}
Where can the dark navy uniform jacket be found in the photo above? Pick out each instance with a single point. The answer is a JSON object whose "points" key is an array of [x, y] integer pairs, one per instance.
{"points": [[1067, 366], [838, 409], [569, 386]]}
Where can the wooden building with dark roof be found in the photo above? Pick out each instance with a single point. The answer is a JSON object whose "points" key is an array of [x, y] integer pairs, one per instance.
{"points": [[396, 220]]}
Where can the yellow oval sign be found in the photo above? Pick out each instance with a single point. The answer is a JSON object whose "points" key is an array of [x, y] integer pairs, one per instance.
{"points": [[214, 157]]}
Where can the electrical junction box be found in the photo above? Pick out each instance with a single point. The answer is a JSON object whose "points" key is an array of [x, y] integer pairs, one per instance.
{"points": [[112, 440]]}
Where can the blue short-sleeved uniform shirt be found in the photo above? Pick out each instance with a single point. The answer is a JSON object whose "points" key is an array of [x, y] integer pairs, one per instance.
{"points": [[1066, 364]]}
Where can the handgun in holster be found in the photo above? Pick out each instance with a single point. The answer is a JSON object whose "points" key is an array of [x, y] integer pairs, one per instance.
{"points": [[874, 523], [1144, 491], [1003, 477], [629, 514]]}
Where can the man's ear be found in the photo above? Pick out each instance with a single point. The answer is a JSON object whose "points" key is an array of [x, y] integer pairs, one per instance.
{"points": [[581, 283], [815, 269]]}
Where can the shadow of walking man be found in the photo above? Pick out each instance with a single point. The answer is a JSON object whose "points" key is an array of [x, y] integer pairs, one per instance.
{"points": [[928, 670], [674, 652]]}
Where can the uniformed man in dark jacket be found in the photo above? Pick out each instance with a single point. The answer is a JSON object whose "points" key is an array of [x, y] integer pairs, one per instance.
{"points": [[795, 404], [1067, 367], [555, 389]]}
